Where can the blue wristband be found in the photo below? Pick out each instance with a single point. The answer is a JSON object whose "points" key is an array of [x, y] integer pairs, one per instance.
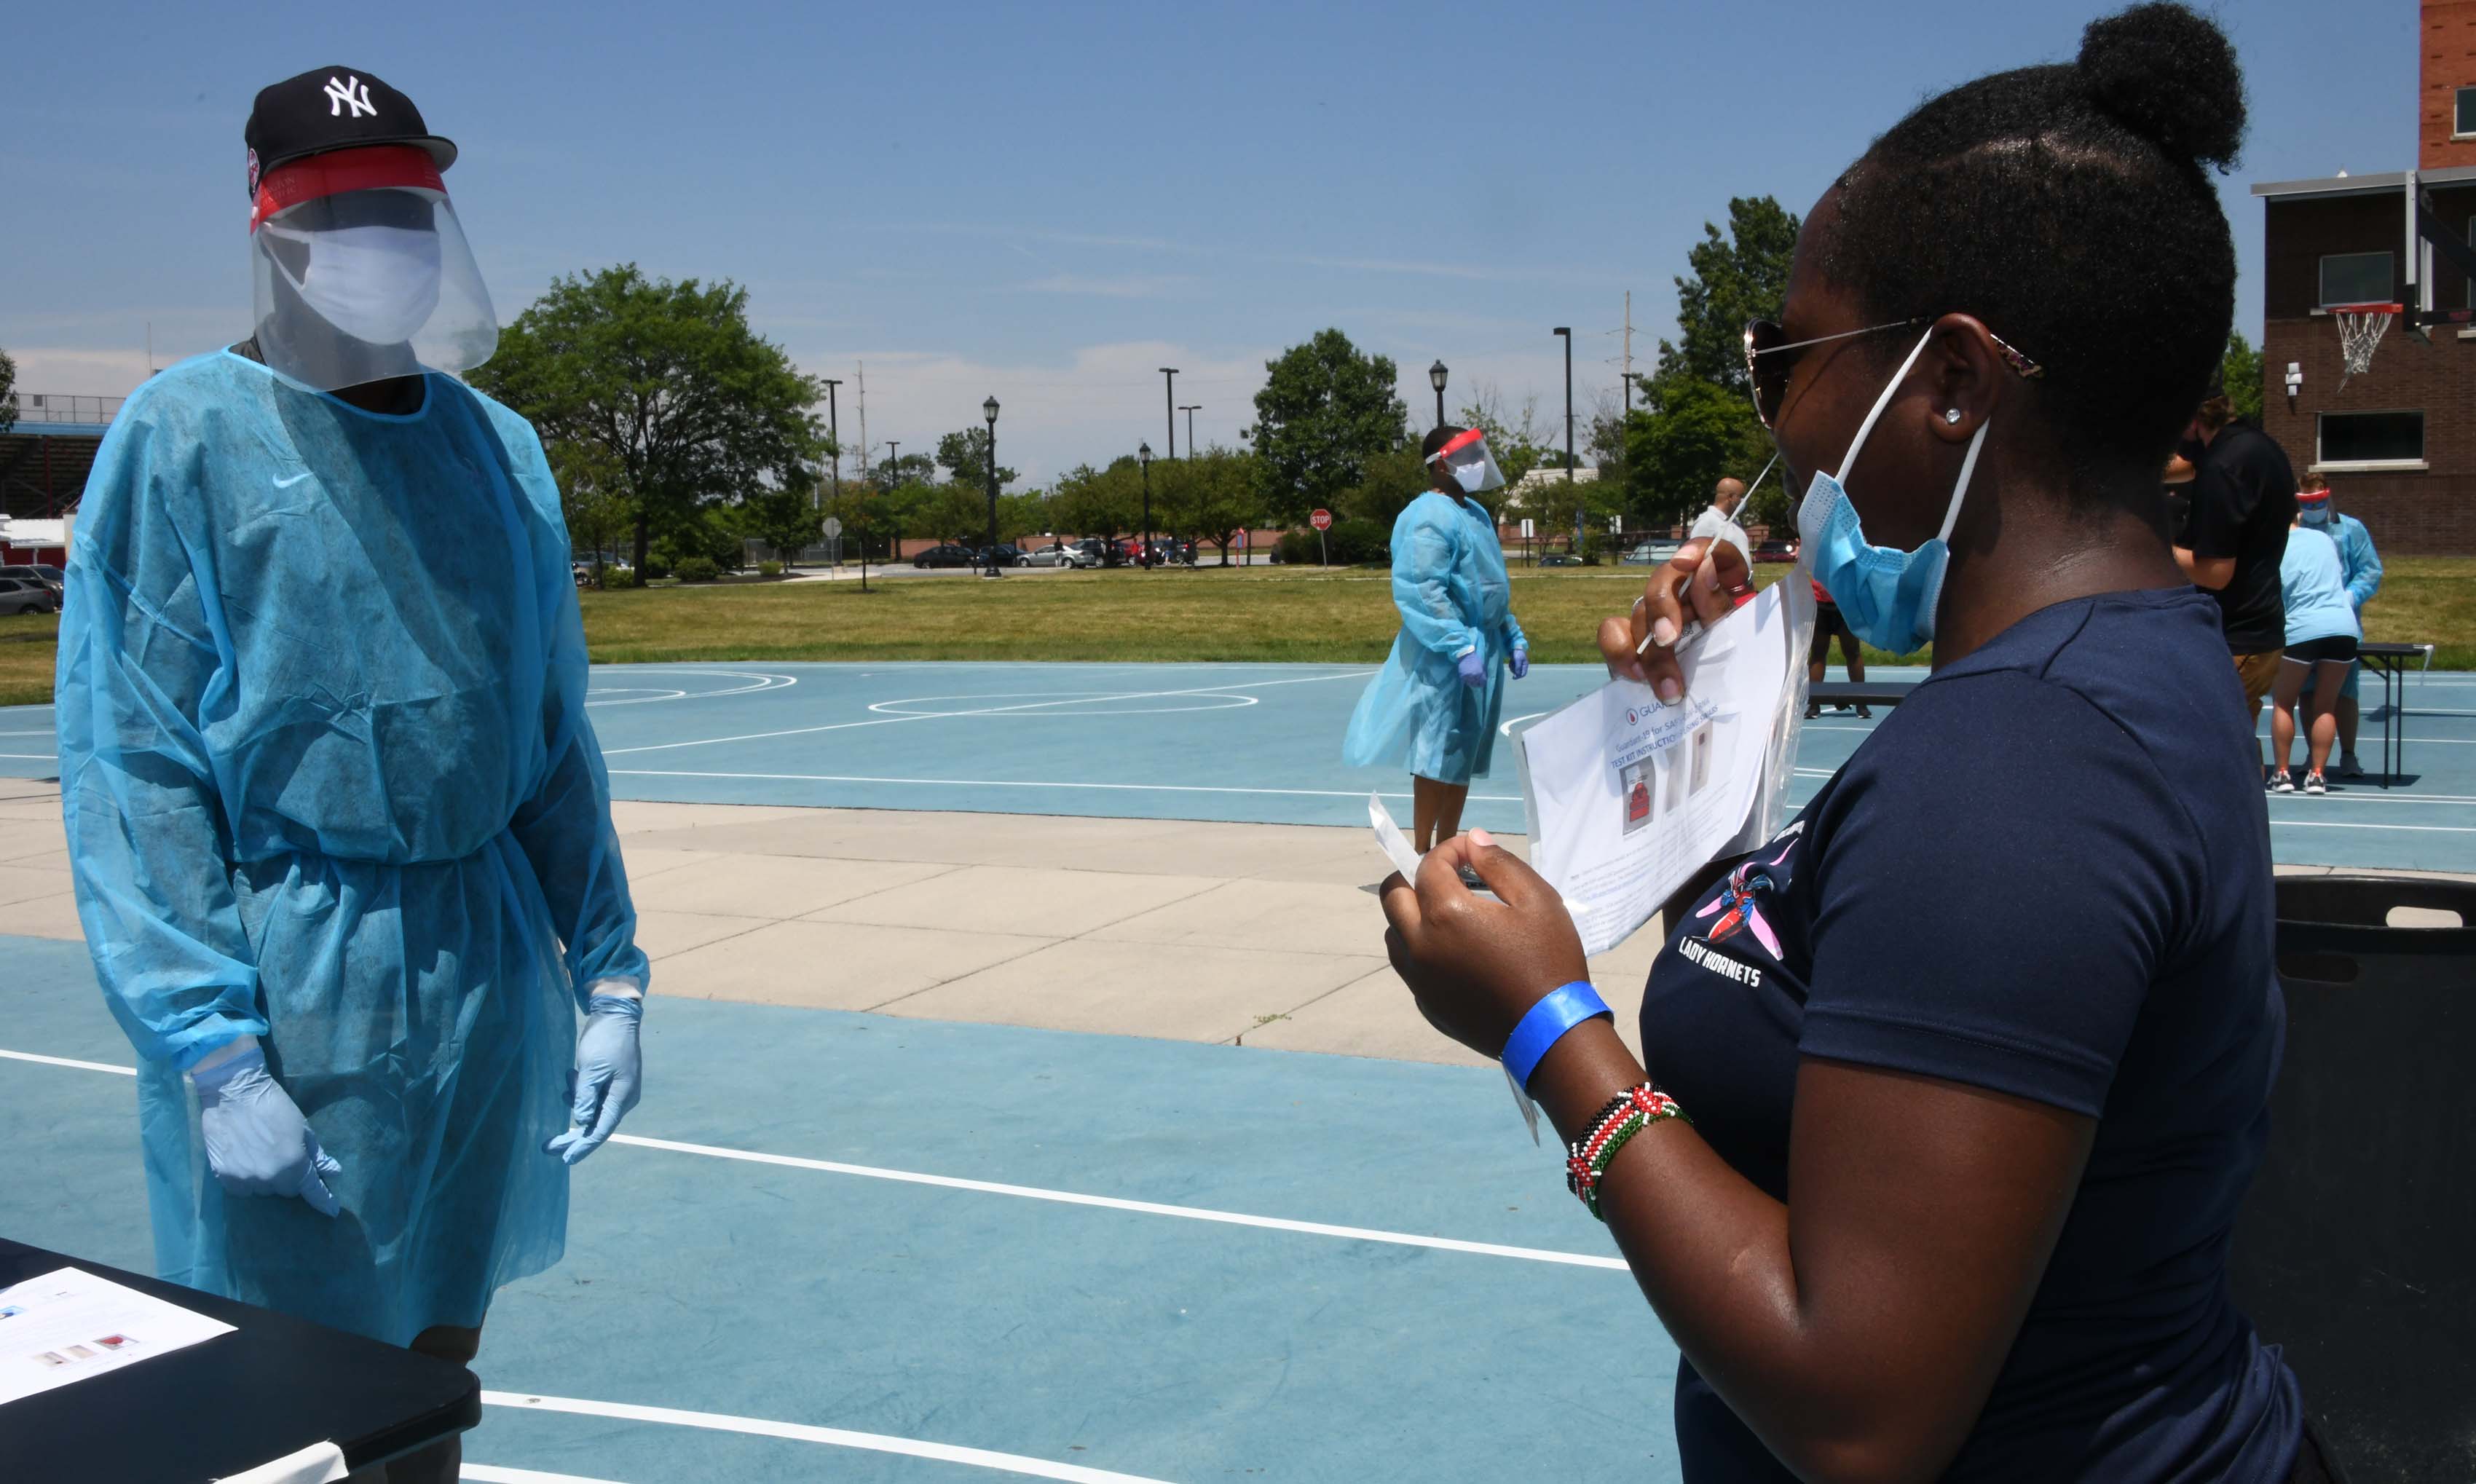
{"points": [[1564, 1007]]}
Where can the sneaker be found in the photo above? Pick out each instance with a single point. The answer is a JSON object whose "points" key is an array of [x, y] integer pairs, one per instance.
{"points": [[1865, 715], [2281, 783], [2314, 785], [1812, 710], [2349, 768]]}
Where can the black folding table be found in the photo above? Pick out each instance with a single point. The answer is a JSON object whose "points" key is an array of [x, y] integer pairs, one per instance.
{"points": [[2390, 661], [1858, 692], [272, 1387]]}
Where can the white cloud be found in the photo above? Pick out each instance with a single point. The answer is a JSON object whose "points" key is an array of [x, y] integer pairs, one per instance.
{"points": [[1122, 286]]}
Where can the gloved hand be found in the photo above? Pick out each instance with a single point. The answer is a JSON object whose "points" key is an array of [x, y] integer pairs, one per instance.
{"points": [[1521, 661], [258, 1142], [1473, 670], [609, 1072]]}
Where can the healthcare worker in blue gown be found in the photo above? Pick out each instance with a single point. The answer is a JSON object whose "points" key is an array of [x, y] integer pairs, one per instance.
{"points": [[1433, 708], [340, 827]]}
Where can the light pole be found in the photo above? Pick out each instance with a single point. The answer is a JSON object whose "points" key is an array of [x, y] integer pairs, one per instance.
{"points": [[989, 410], [1170, 400], [1144, 553], [1567, 331], [1436, 375], [1190, 409], [834, 432]]}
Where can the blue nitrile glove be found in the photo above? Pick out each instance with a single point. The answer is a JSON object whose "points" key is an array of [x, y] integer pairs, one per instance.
{"points": [[1521, 661], [609, 1072], [1473, 670], [258, 1142]]}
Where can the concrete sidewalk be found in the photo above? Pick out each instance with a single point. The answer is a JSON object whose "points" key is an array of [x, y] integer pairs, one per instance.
{"points": [[1259, 934], [1265, 934]]}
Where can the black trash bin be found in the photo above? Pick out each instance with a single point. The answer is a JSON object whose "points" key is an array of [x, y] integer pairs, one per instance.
{"points": [[2356, 1246]]}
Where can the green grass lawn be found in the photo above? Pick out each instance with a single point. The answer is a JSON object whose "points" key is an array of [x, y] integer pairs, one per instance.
{"points": [[1250, 613]]}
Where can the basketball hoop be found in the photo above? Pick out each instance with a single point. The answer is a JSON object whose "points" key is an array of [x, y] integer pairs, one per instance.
{"points": [[2361, 328]]}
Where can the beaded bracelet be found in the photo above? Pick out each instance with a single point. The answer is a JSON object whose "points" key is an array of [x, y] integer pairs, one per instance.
{"points": [[1629, 1113]]}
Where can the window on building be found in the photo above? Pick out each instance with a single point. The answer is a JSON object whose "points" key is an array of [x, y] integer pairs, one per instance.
{"points": [[2357, 278], [2372, 437], [2462, 123]]}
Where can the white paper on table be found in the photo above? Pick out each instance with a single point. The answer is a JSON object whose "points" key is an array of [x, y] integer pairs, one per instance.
{"points": [[1395, 846], [320, 1463], [69, 1325], [1627, 797]]}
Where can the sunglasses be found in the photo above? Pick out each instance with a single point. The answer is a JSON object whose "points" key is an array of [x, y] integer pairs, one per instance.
{"points": [[1769, 378]]}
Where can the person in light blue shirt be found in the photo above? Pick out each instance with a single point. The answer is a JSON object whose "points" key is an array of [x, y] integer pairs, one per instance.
{"points": [[339, 826], [2322, 632], [1433, 708], [2361, 566]]}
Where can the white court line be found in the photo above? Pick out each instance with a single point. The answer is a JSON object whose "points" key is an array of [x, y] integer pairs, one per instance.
{"points": [[764, 681], [2276, 823], [802, 1432], [31, 757], [1036, 1192], [890, 721], [1144, 1208], [29, 734], [491, 1473], [1137, 788]]}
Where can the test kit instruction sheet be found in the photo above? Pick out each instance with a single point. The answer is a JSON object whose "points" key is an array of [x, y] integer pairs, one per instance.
{"points": [[70, 1326], [1627, 797]]}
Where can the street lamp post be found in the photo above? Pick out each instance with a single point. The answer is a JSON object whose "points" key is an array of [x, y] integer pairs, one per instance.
{"points": [[1567, 331], [1168, 400], [834, 432], [1436, 378], [1144, 553], [989, 410], [1190, 409]]}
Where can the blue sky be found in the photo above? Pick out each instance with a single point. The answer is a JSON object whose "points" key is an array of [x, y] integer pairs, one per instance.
{"points": [[1049, 202]]}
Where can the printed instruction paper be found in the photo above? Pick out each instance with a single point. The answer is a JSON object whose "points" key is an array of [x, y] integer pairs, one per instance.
{"points": [[1627, 797], [70, 1326]]}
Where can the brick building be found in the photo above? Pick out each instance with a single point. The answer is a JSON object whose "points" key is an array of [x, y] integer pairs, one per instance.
{"points": [[2399, 443]]}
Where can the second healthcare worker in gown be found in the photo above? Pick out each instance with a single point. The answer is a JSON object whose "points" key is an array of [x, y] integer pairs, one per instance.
{"points": [[340, 827], [1433, 708]]}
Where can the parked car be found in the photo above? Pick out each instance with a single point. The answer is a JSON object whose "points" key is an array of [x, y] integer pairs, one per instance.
{"points": [[20, 596], [946, 555], [1559, 559], [1652, 554], [1775, 551], [42, 574], [1089, 552], [1054, 555], [1008, 553]]}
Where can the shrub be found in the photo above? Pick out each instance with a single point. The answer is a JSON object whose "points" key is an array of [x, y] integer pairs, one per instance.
{"points": [[1348, 543], [769, 569], [615, 578], [697, 569]]}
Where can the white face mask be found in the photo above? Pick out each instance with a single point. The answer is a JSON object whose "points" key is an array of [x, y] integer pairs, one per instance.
{"points": [[376, 283]]}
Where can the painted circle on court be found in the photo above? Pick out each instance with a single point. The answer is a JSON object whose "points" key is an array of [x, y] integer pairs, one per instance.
{"points": [[747, 683], [1068, 702]]}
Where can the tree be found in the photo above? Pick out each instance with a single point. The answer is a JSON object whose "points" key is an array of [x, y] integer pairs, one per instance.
{"points": [[1105, 503], [1393, 479], [1208, 496], [8, 392], [1520, 444], [2240, 371], [784, 518], [964, 456], [1691, 435], [687, 403], [590, 498], [1736, 277], [1324, 409]]}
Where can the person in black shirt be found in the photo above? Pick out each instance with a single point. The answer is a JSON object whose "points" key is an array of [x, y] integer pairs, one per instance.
{"points": [[2243, 502], [1978, 1051]]}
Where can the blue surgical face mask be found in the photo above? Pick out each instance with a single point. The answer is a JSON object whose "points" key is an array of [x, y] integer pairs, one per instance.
{"points": [[2316, 518], [1887, 595]]}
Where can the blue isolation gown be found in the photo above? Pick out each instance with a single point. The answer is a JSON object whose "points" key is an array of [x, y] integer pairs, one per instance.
{"points": [[1449, 581], [328, 780]]}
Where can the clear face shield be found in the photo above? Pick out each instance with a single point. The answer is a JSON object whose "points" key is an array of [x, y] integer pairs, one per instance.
{"points": [[360, 271], [1466, 458]]}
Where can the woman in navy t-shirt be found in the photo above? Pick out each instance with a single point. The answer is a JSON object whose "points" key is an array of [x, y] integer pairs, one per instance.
{"points": [[1978, 1052]]}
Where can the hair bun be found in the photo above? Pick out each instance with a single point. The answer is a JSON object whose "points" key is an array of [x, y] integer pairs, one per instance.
{"points": [[2168, 75]]}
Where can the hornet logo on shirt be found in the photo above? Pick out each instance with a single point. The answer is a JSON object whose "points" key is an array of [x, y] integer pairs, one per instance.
{"points": [[1739, 906], [349, 93]]}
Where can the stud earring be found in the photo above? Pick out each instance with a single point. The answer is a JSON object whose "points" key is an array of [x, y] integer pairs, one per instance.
{"points": [[1951, 415]]}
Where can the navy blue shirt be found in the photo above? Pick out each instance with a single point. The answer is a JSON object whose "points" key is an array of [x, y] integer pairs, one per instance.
{"points": [[2047, 874]]}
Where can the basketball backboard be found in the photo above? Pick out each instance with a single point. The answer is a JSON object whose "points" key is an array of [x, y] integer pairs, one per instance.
{"points": [[2429, 236]]}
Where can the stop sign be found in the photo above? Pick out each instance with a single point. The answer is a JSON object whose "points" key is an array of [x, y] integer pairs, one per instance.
{"points": [[1321, 520]]}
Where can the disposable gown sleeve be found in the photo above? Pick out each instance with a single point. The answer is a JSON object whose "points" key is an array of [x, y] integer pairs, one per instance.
{"points": [[1514, 637], [2364, 566], [1423, 565], [564, 828], [148, 842]]}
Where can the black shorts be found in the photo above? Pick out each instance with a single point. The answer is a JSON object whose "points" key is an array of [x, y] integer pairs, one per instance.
{"points": [[1828, 622], [2337, 648]]}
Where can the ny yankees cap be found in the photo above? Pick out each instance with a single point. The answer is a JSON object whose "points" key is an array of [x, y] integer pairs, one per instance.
{"points": [[331, 109]]}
